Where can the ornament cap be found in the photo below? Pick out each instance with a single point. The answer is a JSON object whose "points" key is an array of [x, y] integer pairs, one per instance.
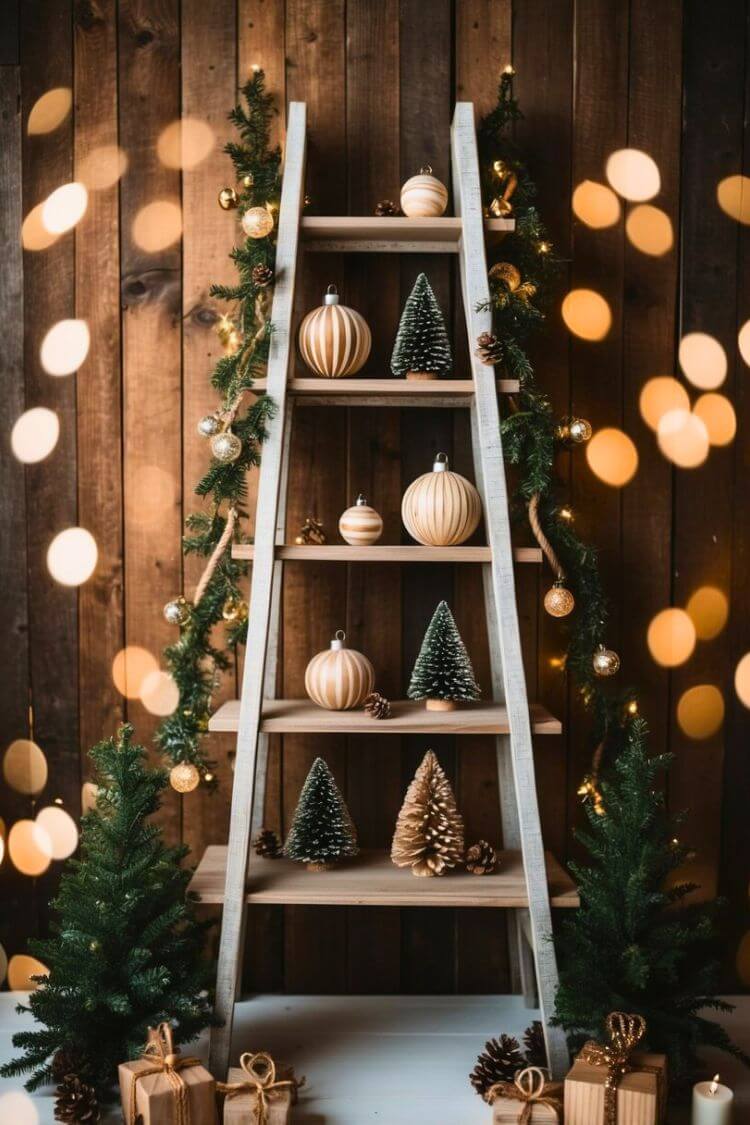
{"points": [[361, 501], [338, 640], [425, 170], [331, 296], [440, 464]]}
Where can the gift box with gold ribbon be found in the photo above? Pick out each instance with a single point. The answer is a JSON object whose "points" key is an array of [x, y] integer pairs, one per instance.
{"points": [[528, 1100], [612, 1083], [163, 1087], [258, 1092]]}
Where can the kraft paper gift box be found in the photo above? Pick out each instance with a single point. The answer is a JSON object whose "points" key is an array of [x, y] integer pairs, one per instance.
{"points": [[640, 1098], [258, 1093], [528, 1100], [165, 1088]]}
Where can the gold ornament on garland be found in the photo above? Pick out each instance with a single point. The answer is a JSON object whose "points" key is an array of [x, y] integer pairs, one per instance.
{"points": [[501, 205], [234, 609], [226, 447], [177, 611], [228, 199], [311, 532], [574, 431], [209, 425], [184, 777], [558, 601], [506, 273], [228, 333], [605, 661], [248, 180], [257, 222]]}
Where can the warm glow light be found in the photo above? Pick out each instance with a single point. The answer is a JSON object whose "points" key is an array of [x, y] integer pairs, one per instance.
{"points": [[157, 225], [35, 435], [650, 230], [658, 396], [34, 234], [612, 457], [25, 767], [102, 167], [17, 1106], [671, 637], [596, 205], [708, 609], [89, 793], [130, 668], [700, 711], [29, 848], [633, 174], [733, 195], [742, 680], [71, 556], [683, 438], [65, 347], [586, 314], [65, 207], [185, 143], [61, 830], [743, 339], [49, 111], [717, 414], [159, 693], [703, 360], [21, 968]]}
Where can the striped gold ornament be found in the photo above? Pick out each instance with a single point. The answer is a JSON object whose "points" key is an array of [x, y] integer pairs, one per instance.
{"points": [[339, 678], [360, 524], [334, 340], [441, 508], [424, 196]]}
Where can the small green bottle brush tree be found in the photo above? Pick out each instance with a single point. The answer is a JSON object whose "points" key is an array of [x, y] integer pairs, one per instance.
{"points": [[442, 674], [422, 349], [322, 831], [125, 951]]}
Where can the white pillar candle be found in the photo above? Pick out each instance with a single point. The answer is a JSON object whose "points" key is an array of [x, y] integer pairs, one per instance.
{"points": [[712, 1103]]}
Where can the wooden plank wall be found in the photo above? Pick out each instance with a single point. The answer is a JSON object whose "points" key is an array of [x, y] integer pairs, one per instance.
{"points": [[380, 78]]}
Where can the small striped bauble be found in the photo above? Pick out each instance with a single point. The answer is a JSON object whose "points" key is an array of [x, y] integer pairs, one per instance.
{"points": [[334, 340], [424, 196], [441, 508], [360, 524], [340, 678]]}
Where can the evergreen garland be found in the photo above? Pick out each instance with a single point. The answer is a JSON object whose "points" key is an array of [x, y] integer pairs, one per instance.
{"points": [[443, 669], [125, 950], [422, 343], [322, 831], [196, 659]]}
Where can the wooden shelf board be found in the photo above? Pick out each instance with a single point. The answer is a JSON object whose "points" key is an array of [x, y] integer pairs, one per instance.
{"points": [[372, 880], [302, 716], [368, 233], [449, 393], [376, 553]]}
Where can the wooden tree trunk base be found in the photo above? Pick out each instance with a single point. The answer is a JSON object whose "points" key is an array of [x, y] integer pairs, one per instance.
{"points": [[320, 866], [420, 376], [440, 705]]}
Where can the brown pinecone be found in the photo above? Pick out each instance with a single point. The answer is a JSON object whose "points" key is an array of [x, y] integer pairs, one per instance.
{"points": [[267, 844], [481, 858], [489, 349], [386, 208], [262, 276], [499, 1062], [534, 1047], [377, 706], [76, 1101], [64, 1061], [429, 836]]}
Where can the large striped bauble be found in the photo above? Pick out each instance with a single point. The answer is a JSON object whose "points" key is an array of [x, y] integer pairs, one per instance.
{"points": [[441, 508], [360, 524], [339, 678], [424, 196], [334, 340]]}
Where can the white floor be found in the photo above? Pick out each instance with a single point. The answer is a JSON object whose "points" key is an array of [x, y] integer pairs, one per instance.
{"points": [[391, 1060]]}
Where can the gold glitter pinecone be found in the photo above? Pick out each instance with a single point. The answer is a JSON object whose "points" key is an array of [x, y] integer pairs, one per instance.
{"points": [[377, 706], [481, 858], [489, 349], [262, 276]]}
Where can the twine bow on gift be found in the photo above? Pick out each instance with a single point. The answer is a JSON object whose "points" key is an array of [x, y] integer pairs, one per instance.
{"points": [[528, 1087], [261, 1080], [160, 1052], [625, 1033]]}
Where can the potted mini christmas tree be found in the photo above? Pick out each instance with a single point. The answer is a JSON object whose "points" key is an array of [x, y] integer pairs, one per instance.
{"points": [[422, 349], [322, 831], [443, 675], [429, 836]]}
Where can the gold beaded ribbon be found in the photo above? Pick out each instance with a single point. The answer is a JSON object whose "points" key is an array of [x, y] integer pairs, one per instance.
{"points": [[625, 1033], [261, 1080], [528, 1087], [160, 1052]]}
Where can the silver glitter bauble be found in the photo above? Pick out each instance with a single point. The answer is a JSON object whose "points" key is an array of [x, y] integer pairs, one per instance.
{"points": [[209, 425], [177, 611], [226, 447]]}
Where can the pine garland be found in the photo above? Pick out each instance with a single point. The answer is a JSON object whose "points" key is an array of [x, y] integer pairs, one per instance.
{"points": [[196, 660]]}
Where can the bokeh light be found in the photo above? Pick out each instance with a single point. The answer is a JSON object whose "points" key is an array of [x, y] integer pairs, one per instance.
{"points": [[34, 234], [596, 205], [29, 848], [743, 339], [633, 174], [102, 167], [61, 830], [157, 225], [17, 1106], [671, 637], [717, 414], [703, 360], [35, 435], [64, 207], [65, 347], [21, 968], [49, 111], [708, 609], [25, 767], [159, 693], [658, 396], [89, 793], [185, 143], [700, 711], [130, 668], [72, 556], [683, 438], [612, 457], [742, 680], [586, 314], [649, 230], [733, 195]]}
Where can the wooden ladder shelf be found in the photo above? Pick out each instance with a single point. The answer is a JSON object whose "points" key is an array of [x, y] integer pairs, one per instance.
{"points": [[528, 881]]}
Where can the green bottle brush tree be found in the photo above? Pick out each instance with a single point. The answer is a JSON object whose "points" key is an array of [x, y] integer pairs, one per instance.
{"points": [[422, 349], [322, 831], [443, 674]]}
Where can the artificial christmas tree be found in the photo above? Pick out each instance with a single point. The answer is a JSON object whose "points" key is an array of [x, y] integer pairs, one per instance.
{"points": [[125, 951], [422, 349], [322, 831], [443, 674], [429, 834]]}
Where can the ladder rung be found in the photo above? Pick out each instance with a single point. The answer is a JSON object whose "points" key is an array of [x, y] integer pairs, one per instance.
{"points": [[366, 233], [448, 393], [341, 552]]}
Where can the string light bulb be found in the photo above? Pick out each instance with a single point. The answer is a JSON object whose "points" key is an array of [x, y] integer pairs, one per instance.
{"points": [[632, 707], [544, 247], [566, 514], [509, 70]]}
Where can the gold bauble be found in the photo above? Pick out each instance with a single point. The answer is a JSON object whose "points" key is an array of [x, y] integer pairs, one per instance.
{"points": [[257, 222], [228, 199], [579, 430], [226, 447], [506, 272], [184, 777], [177, 611], [558, 601], [209, 425], [500, 207], [248, 180], [605, 661], [234, 609]]}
